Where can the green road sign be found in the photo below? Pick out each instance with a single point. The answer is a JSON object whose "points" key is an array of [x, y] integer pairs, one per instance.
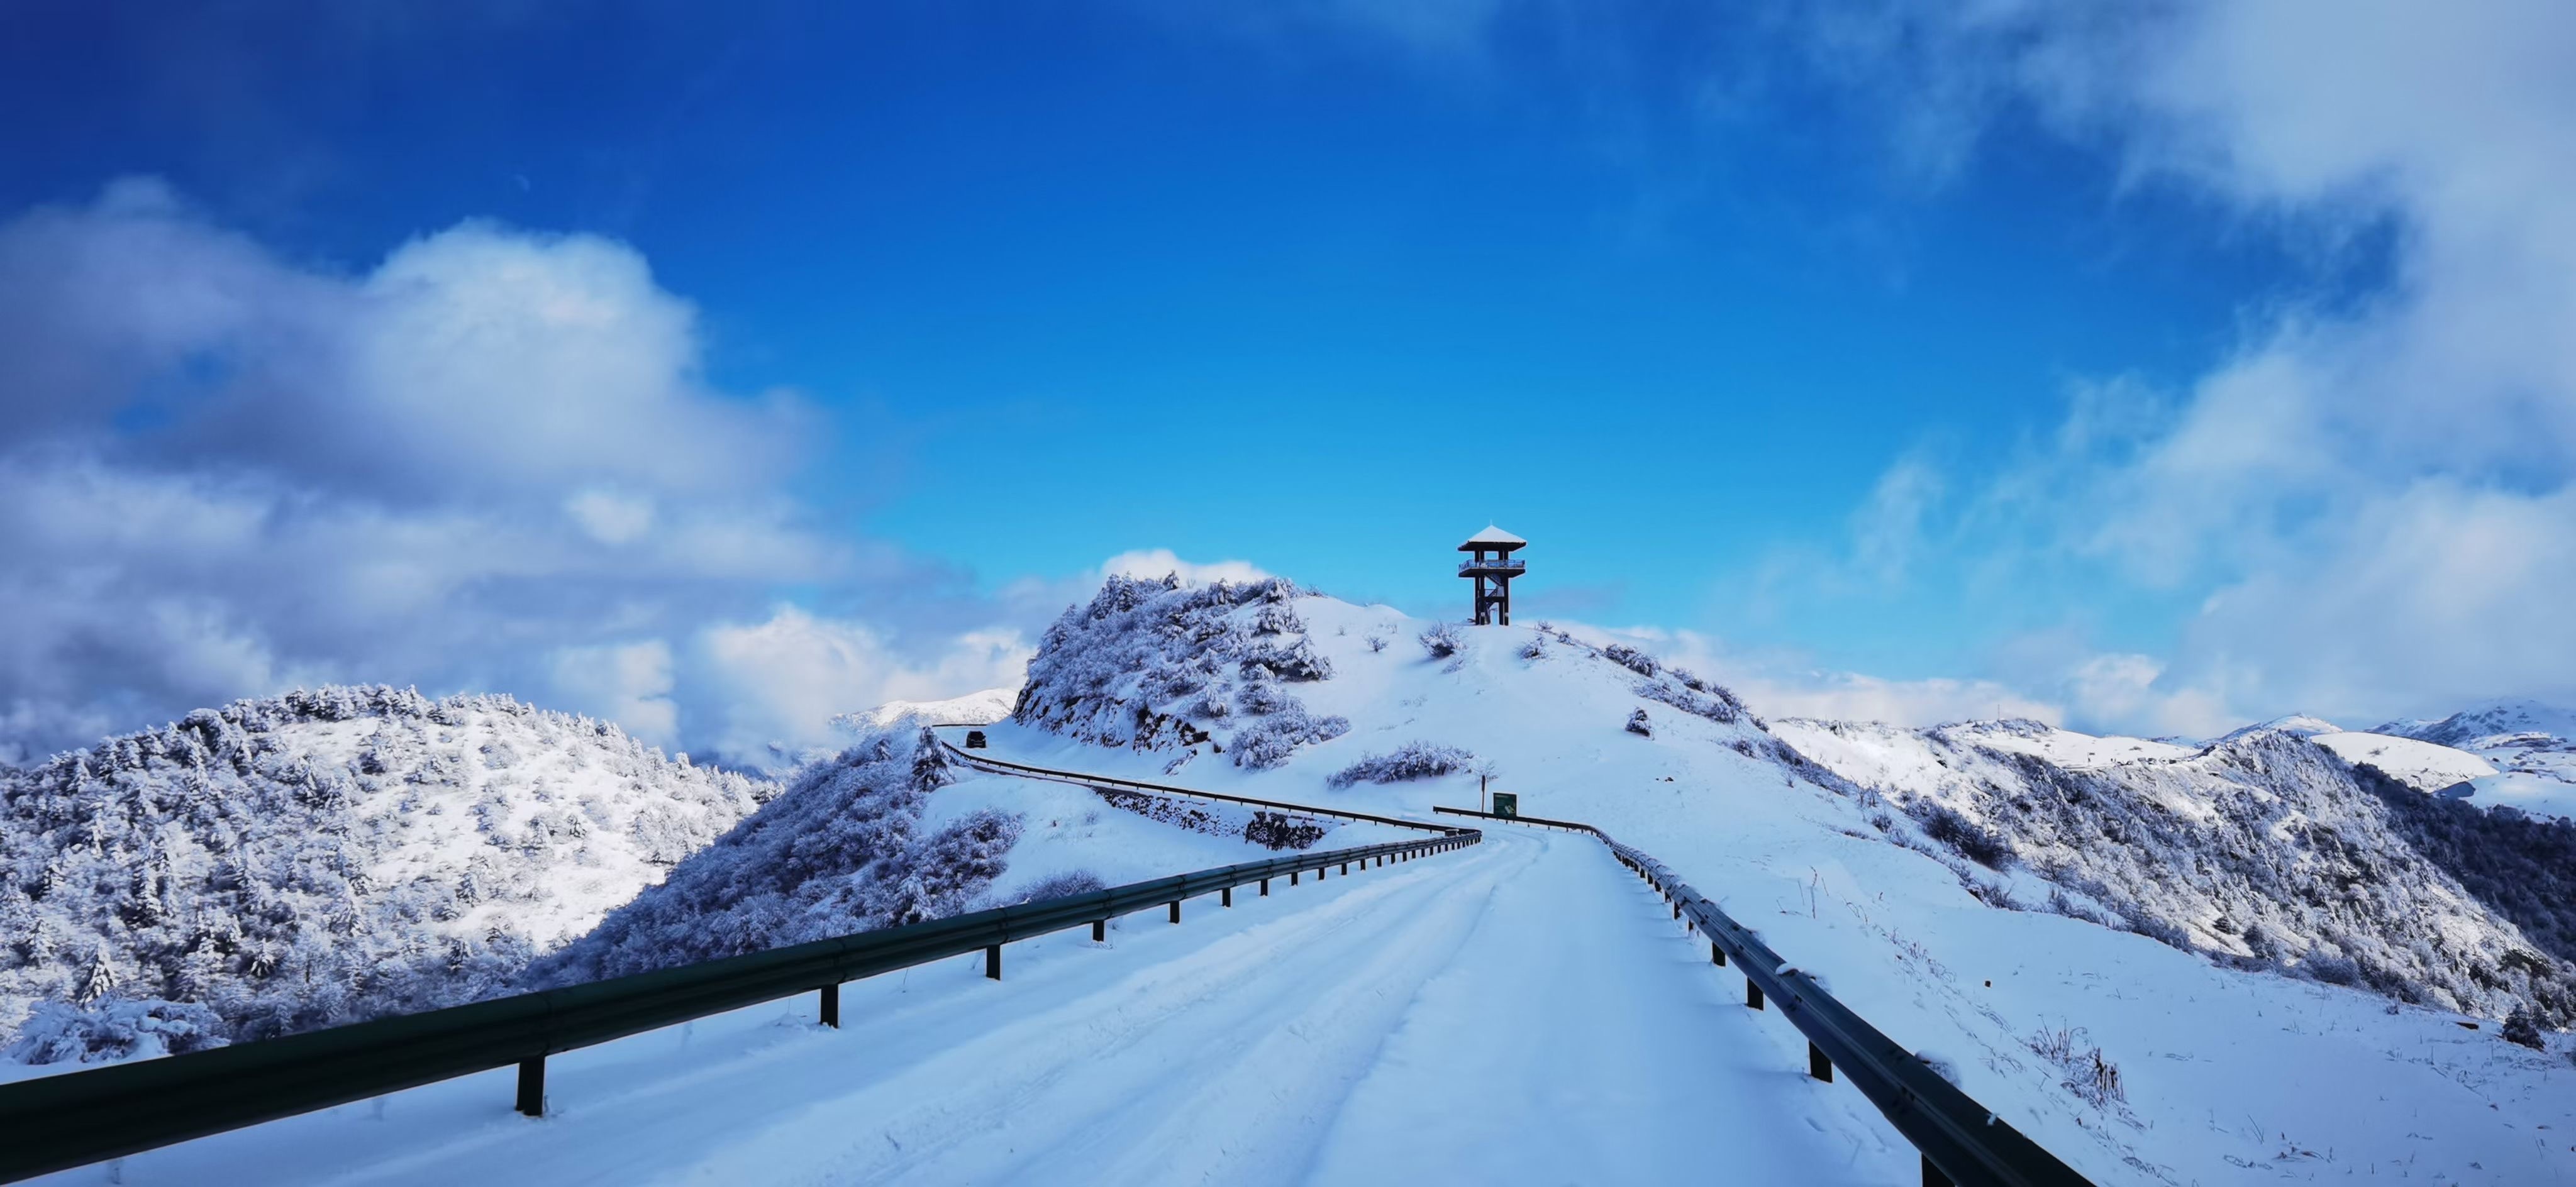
{"points": [[1506, 804]]}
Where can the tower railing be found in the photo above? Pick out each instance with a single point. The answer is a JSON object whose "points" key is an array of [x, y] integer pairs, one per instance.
{"points": [[1496, 565]]}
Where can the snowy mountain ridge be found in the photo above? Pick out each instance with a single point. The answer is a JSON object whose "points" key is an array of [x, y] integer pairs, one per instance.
{"points": [[326, 856]]}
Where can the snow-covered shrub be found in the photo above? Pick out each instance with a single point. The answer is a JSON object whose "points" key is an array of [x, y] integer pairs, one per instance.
{"points": [[1064, 885], [1719, 705], [1263, 697], [941, 876], [115, 1028], [1376, 642], [2523, 1027], [1974, 841], [1441, 640], [1536, 648], [2332, 970], [1631, 659], [1269, 742], [1640, 724], [1413, 760], [1278, 830]]}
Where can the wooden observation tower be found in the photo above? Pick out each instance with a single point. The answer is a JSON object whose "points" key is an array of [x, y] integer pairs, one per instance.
{"points": [[1492, 569]]}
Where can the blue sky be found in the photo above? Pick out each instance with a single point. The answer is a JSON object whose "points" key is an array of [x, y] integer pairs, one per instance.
{"points": [[1866, 355]]}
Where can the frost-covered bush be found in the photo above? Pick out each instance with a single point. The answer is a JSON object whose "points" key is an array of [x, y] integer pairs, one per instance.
{"points": [[1064, 885], [840, 851], [114, 1028], [1631, 659], [1974, 841], [1269, 742], [2523, 1027], [1263, 698], [1413, 760], [1277, 830], [1442, 640], [1536, 648], [1640, 724], [333, 855]]}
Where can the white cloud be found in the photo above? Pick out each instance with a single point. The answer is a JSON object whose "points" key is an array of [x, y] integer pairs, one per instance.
{"points": [[490, 461], [1778, 685], [610, 518], [789, 675], [629, 683], [1151, 563], [2374, 495]]}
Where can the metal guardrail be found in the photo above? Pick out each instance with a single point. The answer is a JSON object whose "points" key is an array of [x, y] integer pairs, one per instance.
{"points": [[1962, 1142], [999, 767], [57, 1122]]}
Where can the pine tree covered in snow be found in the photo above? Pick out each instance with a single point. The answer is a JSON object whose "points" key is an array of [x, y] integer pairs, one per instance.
{"points": [[323, 857], [842, 850]]}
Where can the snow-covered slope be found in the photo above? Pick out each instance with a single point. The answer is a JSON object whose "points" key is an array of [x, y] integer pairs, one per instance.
{"points": [[2297, 725], [2424, 766], [2531, 745], [892, 831], [2261, 848], [2226, 1073], [277, 865]]}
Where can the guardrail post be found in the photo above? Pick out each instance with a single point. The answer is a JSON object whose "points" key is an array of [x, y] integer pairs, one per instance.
{"points": [[532, 1086], [1176, 910], [832, 1006], [1265, 888], [1346, 869], [1932, 1176], [992, 962], [1677, 910], [1099, 931], [1716, 955], [1225, 898], [1752, 994], [1292, 877], [1817, 1065]]}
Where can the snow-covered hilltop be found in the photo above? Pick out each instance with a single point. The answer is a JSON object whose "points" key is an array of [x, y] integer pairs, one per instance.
{"points": [[2530, 749], [974, 708], [2114, 940], [322, 857]]}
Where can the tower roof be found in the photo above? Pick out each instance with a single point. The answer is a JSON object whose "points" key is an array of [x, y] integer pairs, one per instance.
{"points": [[1493, 538]]}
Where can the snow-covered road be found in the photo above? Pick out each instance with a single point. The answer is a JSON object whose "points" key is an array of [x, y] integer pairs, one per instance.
{"points": [[1522, 1011]]}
